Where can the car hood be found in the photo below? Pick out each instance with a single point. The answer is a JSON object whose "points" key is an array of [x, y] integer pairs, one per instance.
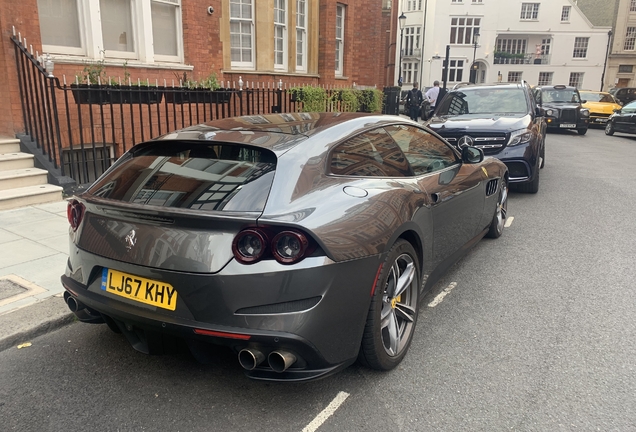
{"points": [[478, 123], [601, 107]]}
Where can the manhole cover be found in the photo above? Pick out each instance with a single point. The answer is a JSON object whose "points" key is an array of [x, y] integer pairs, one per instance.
{"points": [[8, 288]]}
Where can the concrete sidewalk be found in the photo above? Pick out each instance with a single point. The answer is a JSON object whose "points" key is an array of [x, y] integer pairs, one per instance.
{"points": [[34, 250]]}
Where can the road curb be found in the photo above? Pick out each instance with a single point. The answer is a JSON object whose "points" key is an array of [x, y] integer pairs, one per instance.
{"points": [[27, 323]]}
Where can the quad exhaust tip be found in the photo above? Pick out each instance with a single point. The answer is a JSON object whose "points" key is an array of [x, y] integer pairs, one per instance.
{"points": [[280, 361], [250, 358]]}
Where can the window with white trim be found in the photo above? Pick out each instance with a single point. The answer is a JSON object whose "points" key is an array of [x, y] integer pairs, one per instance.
{"points": [[455, 70], [462, 30], [145, 30], [625, 68], [242, 34], [514, 76], [632, 6], [630, 39], [545, 46], [565, 13], [529, 11], [301, 35], [545, 78], [580, 47], [478, 1], [340, 20], [280, 34], [457, 1], [411, 40], [576, 79], [413, 5], [410, 72]]}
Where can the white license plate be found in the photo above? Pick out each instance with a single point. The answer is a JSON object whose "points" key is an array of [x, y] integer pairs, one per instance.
{"points": [[568, 125], [601, 120]]}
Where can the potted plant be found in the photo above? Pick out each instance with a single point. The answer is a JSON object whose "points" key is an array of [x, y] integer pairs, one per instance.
{"points": [[90, 85]]}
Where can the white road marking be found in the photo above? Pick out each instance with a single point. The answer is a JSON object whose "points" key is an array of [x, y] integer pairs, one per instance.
{"points": [[327, 412], [509, 220], [438, 299]]}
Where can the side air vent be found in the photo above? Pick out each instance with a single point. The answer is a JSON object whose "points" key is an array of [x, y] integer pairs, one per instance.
{"points": [[492, 187]]}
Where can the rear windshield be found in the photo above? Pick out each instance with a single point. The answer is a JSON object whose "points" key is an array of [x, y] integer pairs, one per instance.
{"points": [[598, 97], [194, 175], [497, 101]]}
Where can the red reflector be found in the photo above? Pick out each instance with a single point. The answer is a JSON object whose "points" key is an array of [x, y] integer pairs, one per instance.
{"points": [[222, 334], [375, 281]]}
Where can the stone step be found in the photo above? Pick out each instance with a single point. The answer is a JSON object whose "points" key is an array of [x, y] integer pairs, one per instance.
{"points": [[9, 145], [11, 179], [29, 195], [13, 161]]}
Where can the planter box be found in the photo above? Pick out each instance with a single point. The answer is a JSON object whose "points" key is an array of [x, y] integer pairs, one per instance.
{"points": [[90, 94], [181, 96], [135, 95]]}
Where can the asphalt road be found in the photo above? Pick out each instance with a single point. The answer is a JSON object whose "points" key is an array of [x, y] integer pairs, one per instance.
{"points": [[537, 335]]}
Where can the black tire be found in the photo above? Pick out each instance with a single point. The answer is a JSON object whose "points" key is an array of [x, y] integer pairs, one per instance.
{"points": [[499, 218], [533, 186], [609, 128], [391, 320], [582, 131]]}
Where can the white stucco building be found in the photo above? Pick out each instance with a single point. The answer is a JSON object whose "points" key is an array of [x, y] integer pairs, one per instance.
{"points": [[541, 41]]}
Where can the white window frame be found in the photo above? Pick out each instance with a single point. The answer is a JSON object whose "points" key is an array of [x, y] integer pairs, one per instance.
{"points": [[632, 6], [412, 36], [410, 70], [455, 70], [515, 76], [301, 29], [413, 5], [243, 64], [529, 11], [565, 13], [630, 39], [280, 23], [576, 79], [545, 78], [92, 42], [478, 1], [459, 25], [580, 47], [340, 39]]}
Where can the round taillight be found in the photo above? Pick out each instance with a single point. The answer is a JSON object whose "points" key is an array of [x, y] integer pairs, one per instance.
{"points": [[249, 246], [75, 213], [289, 247]]}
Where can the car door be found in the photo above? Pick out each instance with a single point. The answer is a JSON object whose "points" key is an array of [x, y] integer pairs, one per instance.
{"points": [[625, 120], [455, 198]]}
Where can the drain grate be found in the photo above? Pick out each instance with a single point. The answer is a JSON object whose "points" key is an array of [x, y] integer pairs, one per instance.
{"points": [[9, 288]]}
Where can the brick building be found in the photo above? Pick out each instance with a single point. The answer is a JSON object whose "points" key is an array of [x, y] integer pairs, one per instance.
{"points": [[319, 42]]}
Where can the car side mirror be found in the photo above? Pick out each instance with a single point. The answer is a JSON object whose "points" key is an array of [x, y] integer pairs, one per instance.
{"points": [[472, 155], [583, 101]]}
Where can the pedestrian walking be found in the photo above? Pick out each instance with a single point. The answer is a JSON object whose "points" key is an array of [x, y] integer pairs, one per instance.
{"points": [[414, 101], [432, 95]]}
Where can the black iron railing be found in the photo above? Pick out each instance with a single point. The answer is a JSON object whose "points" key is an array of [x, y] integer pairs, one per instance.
{"points": [[83, 128]]}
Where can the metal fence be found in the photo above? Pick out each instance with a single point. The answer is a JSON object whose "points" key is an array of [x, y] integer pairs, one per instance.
{"points": [[83, 128]]}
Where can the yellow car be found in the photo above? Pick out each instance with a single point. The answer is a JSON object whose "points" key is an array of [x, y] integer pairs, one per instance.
{"points": [[600, 104]]}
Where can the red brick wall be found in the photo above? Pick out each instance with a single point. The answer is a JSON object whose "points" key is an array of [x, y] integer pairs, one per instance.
{"points": [[364, 64]]}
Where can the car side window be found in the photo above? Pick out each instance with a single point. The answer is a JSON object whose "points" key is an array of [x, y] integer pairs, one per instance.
{"points": [[370, 154], [425, 152]]}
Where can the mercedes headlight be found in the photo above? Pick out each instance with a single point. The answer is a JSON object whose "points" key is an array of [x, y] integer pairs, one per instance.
{"points": [[549, 112], [519, 137], [585, 112]]}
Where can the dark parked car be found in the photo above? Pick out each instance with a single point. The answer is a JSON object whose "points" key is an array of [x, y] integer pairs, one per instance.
{"points": [[623, 120], [623, 94], [500, 119], [562, 107], [302, 241]]}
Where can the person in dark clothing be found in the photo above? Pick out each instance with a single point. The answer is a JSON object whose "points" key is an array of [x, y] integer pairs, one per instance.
{"points": [[414, 101]]}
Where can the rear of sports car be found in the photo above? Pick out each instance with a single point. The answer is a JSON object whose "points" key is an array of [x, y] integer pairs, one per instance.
{"points": [[167, 246]]}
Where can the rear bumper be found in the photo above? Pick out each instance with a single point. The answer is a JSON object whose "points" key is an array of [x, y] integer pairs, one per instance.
{"points": [[316, 311]]}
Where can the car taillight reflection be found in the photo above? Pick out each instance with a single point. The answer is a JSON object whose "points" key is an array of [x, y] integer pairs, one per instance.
{"points": [[75, 213], [287, 247]]}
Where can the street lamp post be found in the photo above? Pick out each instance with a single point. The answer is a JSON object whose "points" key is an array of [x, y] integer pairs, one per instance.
{"points": [[609, 40], [473, 67], [401, 21]]}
